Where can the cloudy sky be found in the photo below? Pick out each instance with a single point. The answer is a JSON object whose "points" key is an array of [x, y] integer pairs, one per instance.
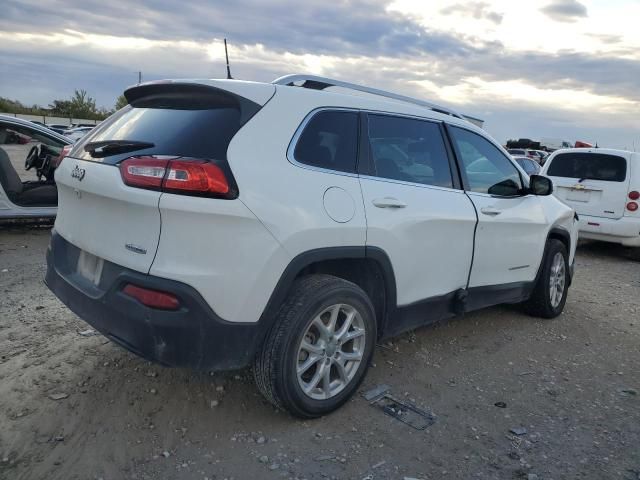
{"points": [[567, 69]]}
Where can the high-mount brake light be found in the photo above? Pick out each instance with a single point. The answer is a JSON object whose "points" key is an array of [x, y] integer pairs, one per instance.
{"points": [[176, 175]]}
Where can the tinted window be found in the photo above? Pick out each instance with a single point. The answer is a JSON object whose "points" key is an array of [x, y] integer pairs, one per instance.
{"points": [[201, 133], [593, 166], [487, 169], [329, 140], [409, 150]]}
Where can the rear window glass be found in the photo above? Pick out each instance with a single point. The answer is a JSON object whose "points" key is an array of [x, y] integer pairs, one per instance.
{"points": [[198, 133], [591, 166], [330, 140]]}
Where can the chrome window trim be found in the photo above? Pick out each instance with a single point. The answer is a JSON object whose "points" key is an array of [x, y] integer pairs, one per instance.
{"points": [[410, 184]]}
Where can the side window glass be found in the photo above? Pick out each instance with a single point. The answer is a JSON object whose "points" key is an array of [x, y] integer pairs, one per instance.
{"points": [[487, 169], [408, 150], [329, 140]]}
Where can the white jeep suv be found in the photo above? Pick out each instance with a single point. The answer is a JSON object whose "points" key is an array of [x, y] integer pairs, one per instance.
{"points": [[217, 224]]}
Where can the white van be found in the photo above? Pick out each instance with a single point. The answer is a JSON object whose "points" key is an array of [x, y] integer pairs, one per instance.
{"points": [[603, 187]]}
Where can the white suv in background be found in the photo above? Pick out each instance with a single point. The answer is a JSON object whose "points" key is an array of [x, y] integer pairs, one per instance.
{"points": [[603, 186], [219, 223]]}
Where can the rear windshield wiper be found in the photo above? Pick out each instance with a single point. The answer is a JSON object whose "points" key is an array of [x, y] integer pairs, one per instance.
{"points": [[113, 147]]}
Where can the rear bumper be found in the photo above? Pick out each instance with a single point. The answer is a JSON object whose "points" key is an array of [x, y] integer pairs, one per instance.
{"points": [[625, 230], [192, 336]]}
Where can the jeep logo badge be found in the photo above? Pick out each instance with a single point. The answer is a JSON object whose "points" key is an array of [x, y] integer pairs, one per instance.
{"points": [[77, 173]]}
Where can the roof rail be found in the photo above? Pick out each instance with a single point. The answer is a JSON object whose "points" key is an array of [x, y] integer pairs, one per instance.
{"points": [[320, 83]]}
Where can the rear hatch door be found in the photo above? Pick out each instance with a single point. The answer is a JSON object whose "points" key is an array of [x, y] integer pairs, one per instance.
{"points": [[593, 184], [112, 221]]}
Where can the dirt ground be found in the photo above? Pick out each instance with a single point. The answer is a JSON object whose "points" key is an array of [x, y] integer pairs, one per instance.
{"points": [[80, 407]]}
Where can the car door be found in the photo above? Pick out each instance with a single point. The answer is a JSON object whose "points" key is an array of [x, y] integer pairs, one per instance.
{"points": [[512, 227], [416, 212]]}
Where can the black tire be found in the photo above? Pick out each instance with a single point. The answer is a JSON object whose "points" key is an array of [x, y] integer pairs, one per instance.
{"points": [[275, 364], [539, 304]]}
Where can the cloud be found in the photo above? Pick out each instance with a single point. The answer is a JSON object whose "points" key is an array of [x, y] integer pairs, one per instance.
{"points": [[609, 39], [363, 27], [565, 10], [477, 10], [357, 41]]}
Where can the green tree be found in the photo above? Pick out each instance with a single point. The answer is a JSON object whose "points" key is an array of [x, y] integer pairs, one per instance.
{"points": [[121, 102], [82, 105], [61, 107]]}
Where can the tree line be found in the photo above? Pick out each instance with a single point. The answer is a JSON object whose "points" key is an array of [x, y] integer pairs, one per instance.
{"points": [[80, 105]]}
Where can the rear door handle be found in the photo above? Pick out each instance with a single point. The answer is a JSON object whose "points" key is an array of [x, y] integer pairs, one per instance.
{"points": [[493, 211], [389, 202]]}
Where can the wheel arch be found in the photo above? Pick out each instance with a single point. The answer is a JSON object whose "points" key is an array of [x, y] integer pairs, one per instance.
{"points": [[555, 233], [561, 234], [367, 267]]}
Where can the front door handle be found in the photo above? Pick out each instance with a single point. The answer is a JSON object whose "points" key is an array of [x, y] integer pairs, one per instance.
{"points": [[389, 202], [493, 211]]}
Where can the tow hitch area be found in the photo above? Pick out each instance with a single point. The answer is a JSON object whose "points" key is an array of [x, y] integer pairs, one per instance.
{"points": [[380, 398]]}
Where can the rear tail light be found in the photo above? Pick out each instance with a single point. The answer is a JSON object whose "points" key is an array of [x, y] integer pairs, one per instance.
{"points": [[152, 298], [63, 153], [143, 172], [634, 195], [632, 206], [178, 175], [202, 177]]}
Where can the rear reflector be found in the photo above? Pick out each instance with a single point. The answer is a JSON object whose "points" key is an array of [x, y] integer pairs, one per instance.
{"points": [[634, 195], [177, 175], [632, 206], [152, 298]]}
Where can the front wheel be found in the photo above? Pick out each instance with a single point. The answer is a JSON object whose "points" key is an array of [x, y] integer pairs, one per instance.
{"points": [[319, 348], [550, 293]]}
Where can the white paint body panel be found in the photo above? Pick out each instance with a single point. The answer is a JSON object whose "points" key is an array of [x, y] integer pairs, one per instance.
{"points": [[510, 243], [429, 242], [222, 250], [100, 214]]}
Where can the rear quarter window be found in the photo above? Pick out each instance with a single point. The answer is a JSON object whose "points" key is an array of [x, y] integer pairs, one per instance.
{"points": [[589, 166], [329, 140]]}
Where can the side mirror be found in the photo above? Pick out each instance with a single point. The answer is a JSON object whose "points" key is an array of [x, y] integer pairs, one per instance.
{"points": [[539, 185], [506, 188]]}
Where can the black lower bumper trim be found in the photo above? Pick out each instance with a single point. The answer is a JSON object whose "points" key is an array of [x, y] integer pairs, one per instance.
{"points": [[192, 336]]}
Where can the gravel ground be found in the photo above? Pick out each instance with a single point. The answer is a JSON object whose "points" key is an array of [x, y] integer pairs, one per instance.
{"points": [[79, 407]]}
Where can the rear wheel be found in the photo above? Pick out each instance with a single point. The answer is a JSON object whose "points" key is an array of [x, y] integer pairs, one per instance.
{"points": [[550, 293], [320, 347]]}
